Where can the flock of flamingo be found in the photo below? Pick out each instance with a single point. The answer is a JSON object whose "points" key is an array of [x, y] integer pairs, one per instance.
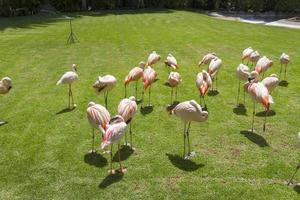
{"points": [[114, 128]]}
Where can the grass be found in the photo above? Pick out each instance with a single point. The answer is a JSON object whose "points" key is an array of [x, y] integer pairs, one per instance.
{"points": [[43, 155]]}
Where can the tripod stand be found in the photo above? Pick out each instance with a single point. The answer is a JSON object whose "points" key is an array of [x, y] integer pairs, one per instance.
{"points": [[72, 37]]}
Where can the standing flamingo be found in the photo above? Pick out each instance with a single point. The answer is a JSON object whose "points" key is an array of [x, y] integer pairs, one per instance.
{"points": [[246, 54], [113, 134], [254, 57], [263, 64], [271, 82], [105, 84], [284, 60], [203, 83], [127, 109], [260, 94], [5, 87], [297, 167], [98, 118], [189, 111], [174, 80], [213, 69], [242, 73], [171, 62], [134, 75], [152, 58], [68, 78], [149, 77], [207, 58]]}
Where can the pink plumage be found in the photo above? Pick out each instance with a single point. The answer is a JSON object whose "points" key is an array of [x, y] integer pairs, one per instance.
{"points": [[98, 116], [263, 64], [214, 66], [149, 76], [174, 79], [203, 82], [127, 108], [153, 58], [207, 58]]}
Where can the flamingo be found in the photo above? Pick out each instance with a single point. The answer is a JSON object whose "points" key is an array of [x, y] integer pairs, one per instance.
{"points": [[213, 69], [171, 62], [254, 57], [298, 166], [149, 77], [259, 93], [135, 74], [203, 83], [152, 58], [68, 78], [284, 60], [105, 84], [127, 109], [5, 87], [207, 58], [263, 64], [242, 73], [246, 54], [189, 111], [98, 118], [271, 82], [113, 134], [174, 80]]}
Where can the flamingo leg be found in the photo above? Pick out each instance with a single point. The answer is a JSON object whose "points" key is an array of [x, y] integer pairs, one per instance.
{"points": [[184, 139], [216, 82], [291, 179], [69, 95], [111, 148], [237, 101], [265, 121], [285, 72], [149, 96], [130, 132], [176, 93], [188, 138], [106, 95], [120, 158], [204, 101], [136, 88], [143, 97], [126, 141], [200, 97], [280, 71], [253, 116], [93, 144], [125, 95], [263, 75], [244, 97], [171, 96]]}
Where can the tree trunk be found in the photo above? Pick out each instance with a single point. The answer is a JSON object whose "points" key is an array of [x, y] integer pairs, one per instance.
{"points": [[83, 5]]}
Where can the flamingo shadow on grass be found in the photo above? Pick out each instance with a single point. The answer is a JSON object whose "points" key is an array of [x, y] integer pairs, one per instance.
{"points": [[212, 93], [170, 107], [146, 110], [183, 164], [65, 110], [263, 113], [111, 179], [283, 83], [95, 159], [240, 110], [3, 123], [255, 138], [297, 188], [125, 153]]}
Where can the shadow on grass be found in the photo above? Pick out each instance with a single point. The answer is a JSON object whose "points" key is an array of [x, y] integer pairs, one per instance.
{"points": [[3, 123], [283, 83], [95, 159], [212, 93], [170, 107], [240, 110], [263, 113], [297, 188], [111, 179], [125, 153], [65, 110], [180, 163], [255, 138], [146, 110]]}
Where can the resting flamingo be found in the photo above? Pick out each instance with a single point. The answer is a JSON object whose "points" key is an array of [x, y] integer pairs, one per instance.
{"points": [[149, 77], [171, 62], [263, 64], [189, 111], [5, 87], [113, 134], [271, 82], [203, 83], [105, 84], [242, 73], [260, 94], [127, 109], [207, 58], [284, 60], [246, 54], [135, 74], [152, 58], [213, 69], [174, 80], [98, 118], [68, 78], [254, 57]]}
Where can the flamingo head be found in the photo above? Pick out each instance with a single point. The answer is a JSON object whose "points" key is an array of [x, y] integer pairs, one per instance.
{"points": [[132, 98], [7, 82], [142, 64], [253, 76], [116, 119], [91, 104], [74, 68]]}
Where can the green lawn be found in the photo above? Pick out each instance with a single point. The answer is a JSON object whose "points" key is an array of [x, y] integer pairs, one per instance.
{"points": [[43, 155]]}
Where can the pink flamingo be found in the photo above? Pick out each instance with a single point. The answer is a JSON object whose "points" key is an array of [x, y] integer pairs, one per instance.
{"points": [[271, 82], [105, 84], [153, 58], [254, 57], [171, 62], [284, 60], [174, 80], [68, 78], [127, 109], [259, 93], [263, 64], [135, 75], [5, 87], [207, 58], [203, 83], [246, 54], [189, 111], [113, 134], [149, 77], [98, 118], [213, 69], [242, 73]]}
